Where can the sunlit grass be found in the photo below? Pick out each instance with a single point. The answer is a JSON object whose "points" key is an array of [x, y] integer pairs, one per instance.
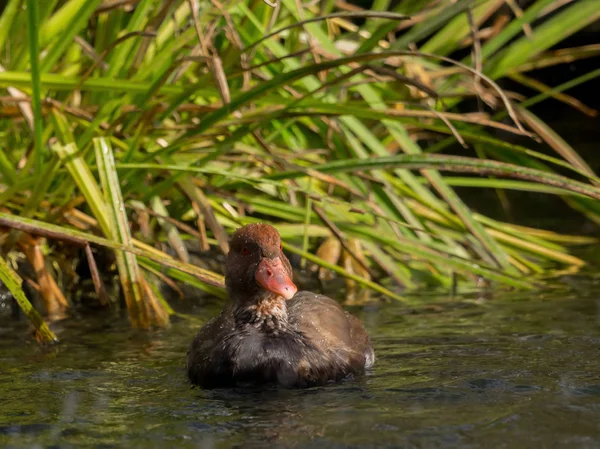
{"points": [[163, 124]]}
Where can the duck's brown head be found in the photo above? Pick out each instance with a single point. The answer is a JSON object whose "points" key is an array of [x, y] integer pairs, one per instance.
{"points": [[256, 266]]}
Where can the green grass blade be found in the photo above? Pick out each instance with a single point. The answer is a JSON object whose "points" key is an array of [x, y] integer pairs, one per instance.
{"points": [[13, 282], [428, 27], [36, 227], [68, 83], [512, 29], [449, 38], [7, 19], [454, 263], [82, 175], [454, 163], [556, 142], [562, 87], [36, 101], [7, 169], [131, 277], [339, 270], [119, 57], [84, 9], [173, 235], [564, 23], [503, 184], [183, 277]]}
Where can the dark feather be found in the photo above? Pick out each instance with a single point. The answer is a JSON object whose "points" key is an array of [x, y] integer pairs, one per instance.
{"points": [[321, 343]]}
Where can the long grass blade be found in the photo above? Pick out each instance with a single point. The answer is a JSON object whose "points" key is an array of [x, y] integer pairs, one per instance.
{"points": [[36, 100], [458, 164], [144, 308]]}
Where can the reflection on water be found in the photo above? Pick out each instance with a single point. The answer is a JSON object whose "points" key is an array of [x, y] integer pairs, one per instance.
{"points": [[513, 371]]}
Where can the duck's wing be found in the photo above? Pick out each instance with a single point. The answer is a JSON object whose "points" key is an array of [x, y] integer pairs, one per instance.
{"points": [[325, 323], [361, 339]]}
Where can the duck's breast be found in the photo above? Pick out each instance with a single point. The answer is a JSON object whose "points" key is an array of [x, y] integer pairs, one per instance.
{"points": [[261, 357]]}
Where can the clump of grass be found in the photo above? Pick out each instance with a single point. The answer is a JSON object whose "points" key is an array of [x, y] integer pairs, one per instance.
{"points": [[130, 125]]}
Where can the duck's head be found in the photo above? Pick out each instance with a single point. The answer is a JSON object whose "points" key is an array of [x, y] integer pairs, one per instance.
{"points": [[256, 267]]}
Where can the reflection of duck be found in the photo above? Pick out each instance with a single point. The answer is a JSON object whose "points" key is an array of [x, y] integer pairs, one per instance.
{"points": [[262, 338]]}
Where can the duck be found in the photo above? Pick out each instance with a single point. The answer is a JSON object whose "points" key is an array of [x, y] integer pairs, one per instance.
{"points": [[271, 334]]}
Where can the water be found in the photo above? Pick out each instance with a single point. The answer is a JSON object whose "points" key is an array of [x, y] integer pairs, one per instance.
{"points": [[511, 371]]}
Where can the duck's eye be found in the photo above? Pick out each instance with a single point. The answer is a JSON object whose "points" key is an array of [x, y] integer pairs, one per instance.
{"points": [[281, 247], [245, 251]]}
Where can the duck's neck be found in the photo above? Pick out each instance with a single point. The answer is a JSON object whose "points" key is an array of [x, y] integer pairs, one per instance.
{"points": [[266, 312]]}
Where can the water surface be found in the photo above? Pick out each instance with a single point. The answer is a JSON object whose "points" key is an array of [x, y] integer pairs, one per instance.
{"points": [[506, 371]]}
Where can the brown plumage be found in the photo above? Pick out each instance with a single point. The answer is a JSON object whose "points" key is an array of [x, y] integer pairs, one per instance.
{"points": [[271, 334]]}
